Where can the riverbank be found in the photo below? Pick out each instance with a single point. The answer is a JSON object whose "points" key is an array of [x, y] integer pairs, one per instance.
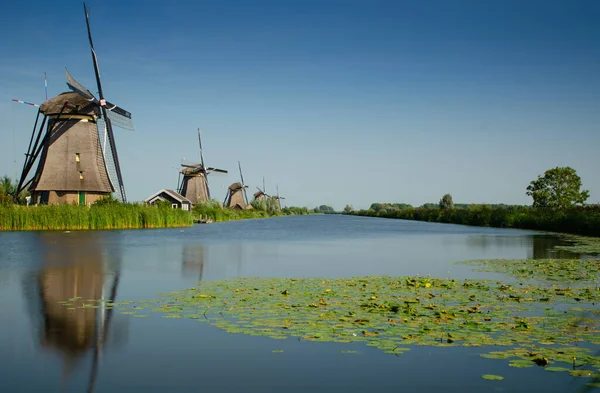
{"points": [[73, 217], [218, 213], [578, 220], [120, 216]]}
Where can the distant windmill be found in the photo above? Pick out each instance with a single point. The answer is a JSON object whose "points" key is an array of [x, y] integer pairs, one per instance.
{"points": [[236, 197], [261, 194], [194, 185], [279, 198]]}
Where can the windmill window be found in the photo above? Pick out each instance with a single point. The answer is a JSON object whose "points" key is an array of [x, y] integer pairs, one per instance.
{"points": [[77, 159], [80, 175]]}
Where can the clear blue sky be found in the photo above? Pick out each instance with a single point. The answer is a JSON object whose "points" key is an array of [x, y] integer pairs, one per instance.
{"points": [[338, 102]]}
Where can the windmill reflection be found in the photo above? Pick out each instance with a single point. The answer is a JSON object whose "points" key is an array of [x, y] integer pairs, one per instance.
{"points": [[222, 259], [76, 266], [192, 261]]}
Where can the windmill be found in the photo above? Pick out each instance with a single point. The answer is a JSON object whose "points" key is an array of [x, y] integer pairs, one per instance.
{"points": [[194, 185], [279, 198], [74, 165], [261, 194], [236, 197]]}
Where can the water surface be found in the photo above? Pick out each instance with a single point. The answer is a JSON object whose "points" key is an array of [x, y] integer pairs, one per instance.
{"points": [[44, 347]]}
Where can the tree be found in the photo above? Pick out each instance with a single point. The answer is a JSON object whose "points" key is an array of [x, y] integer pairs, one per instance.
{"points": [[348, 209], [326, 209], [446, 202], [8, 189], [559, 188]]}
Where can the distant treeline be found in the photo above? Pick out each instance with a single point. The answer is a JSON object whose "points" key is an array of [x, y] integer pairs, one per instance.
{"points": [[377, 207], [581, 220]]}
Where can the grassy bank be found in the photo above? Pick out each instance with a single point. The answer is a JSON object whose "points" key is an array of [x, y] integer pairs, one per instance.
{"points": [[583, 220], [218, 213], [73, 217], [113, 215]]}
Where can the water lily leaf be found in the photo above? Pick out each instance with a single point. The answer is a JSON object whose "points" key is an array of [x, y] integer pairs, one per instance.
{"points": [[492, 377], [581, 373], [521, 363], [557, 369]]}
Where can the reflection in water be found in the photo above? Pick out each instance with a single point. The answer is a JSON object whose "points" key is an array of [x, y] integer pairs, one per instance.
{"points": [[540, 246], [75, 266], [192, 261], [195, 259], [543, 247]]}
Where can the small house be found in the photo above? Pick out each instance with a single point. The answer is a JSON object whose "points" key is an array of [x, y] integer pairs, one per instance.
{"points": [[176, 200]]}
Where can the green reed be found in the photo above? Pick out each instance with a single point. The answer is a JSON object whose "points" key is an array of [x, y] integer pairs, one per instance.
{"points": [[73, 217]]}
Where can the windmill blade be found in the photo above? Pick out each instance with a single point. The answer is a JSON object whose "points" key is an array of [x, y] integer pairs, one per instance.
{"points": [[119, 120], [216, 170], [26, 103], [200, 143], [79, 88], [117, 110], [243, 184], [241, 175], [109, 131]]}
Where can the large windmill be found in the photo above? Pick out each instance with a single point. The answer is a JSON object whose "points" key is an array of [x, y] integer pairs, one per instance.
{"points": [[73, 164], [194, 185], [236, 197]]}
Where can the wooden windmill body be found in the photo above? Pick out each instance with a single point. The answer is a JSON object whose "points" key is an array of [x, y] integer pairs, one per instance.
{"points": [[236, 197], [194, 185], [71, 168], [74, 147]]}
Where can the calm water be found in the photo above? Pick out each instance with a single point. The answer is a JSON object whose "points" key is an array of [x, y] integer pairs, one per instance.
{"points": [[45, 348]]}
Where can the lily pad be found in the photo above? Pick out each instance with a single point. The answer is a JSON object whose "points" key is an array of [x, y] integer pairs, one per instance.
{"points": [[557, 369], [521, 363], [492, 377]]}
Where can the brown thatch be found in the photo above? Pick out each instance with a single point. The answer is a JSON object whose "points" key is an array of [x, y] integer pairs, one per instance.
{"points": [[259, 196], [76, 104], [194, 187], [72, 159]]}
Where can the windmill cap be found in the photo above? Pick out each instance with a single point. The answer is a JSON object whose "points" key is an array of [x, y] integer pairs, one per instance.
{"points": [[76, 104]]}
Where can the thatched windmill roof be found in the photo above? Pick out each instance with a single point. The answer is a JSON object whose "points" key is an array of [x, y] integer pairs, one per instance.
{"points": [[76, 104]]}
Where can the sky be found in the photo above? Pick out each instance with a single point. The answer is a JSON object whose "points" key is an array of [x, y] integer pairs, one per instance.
{"points": [[336, 102]]}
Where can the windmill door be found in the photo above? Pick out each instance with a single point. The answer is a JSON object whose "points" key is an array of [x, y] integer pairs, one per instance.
{"points": [[82, 198]]}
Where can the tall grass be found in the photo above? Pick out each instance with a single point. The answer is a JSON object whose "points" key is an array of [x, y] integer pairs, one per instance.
{"points": [[583, 220], [215, 211], [73, 217]]}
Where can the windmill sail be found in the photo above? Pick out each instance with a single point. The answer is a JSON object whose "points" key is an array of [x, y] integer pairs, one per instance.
{"points": [[105, 107]]}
